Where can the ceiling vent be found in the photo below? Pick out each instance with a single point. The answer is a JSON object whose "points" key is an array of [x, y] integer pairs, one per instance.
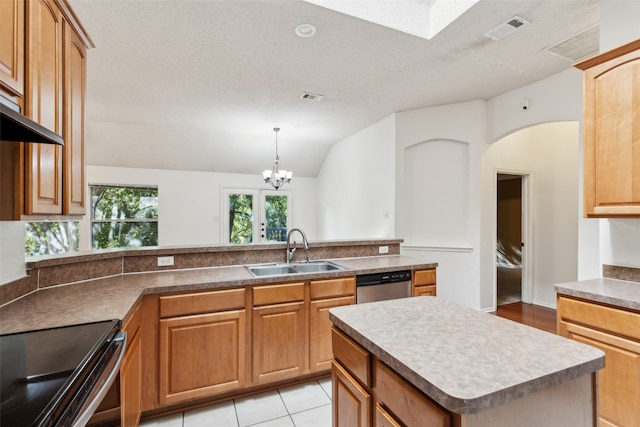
{"points": [[582, 45], [311, 96], [506, 28]]}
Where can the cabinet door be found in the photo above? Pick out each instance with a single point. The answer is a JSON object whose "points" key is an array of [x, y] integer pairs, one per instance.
{"points": [[201, 355], [44, 105], [279, 345], [131, 383], [612, 133], [320, 352], [351, 404], [384, 419], [75, 58], [12, 47], [619, 380]]}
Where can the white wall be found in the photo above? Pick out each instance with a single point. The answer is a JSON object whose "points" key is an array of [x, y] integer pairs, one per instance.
{"points": [[356, 185], [11, 251], [454, 131], [189, 202], [548, 154]]}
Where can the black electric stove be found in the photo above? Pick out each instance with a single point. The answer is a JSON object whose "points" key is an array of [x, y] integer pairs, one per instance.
{"points": [[48, 375]]}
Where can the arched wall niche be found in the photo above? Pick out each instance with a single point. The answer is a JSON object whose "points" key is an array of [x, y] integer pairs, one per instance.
{"points": [[436, 181]]}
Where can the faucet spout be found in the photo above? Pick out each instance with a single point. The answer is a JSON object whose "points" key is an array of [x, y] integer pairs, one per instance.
{"points": [[291, 249]]}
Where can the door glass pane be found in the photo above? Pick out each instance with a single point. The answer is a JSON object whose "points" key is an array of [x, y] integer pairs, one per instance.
{"points": [[276, 218], [240, 218]]}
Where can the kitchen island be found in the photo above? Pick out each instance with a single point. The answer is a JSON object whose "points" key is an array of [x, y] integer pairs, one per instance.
{"points": [[426, 361]]}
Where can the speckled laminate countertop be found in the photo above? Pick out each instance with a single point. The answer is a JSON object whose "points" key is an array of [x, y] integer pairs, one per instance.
{"points": [[614, 292], [115, 297], [465, 360]]}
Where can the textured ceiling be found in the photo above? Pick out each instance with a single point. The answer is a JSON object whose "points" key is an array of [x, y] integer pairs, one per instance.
{"points": [[199, 85]]}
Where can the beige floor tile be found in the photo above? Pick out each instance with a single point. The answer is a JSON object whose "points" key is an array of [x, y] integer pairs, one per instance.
{"points": [[219, 415], [278, 422], [305, 396], [316, 417], [325, 383], [173, 420], [259, 408]]}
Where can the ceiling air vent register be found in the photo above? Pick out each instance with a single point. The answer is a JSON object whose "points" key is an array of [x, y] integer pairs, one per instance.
{"points": [[311, 96], [506, 28], [579, 46]]}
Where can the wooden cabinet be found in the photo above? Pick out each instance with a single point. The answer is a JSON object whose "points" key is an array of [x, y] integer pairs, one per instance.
{"points": [[43, 172], [617, 333], [351, 402], [131, 373], [75, 63], [12, 48], [43, 69], [279, 333], [365, 389], [202, 344], [424, 283], [612, 132], [324, 295]]}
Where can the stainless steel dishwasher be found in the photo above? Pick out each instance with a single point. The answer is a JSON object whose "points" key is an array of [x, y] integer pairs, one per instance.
{"points": [[383, 286]]}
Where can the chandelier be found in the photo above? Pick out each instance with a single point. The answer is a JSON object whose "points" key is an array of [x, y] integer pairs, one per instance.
{"points": [[274, 176]]}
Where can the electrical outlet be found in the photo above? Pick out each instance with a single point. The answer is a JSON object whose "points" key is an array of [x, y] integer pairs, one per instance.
{"points": [[383, 249], [165, 261]]}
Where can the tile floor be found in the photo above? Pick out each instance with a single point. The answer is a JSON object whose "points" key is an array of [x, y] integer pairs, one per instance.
{"points": [[303, 405]]}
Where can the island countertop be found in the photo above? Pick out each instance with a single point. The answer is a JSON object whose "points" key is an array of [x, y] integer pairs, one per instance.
{"points": [[465, 360]]}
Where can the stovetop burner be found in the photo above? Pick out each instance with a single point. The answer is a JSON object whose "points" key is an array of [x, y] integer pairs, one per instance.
{"points": [[37, 369]]}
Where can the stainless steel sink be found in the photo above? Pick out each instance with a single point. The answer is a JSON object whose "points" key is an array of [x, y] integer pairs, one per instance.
{"points": [[282, 269]]}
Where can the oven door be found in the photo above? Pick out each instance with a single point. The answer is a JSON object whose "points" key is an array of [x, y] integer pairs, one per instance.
{"points": [[104, 377]]}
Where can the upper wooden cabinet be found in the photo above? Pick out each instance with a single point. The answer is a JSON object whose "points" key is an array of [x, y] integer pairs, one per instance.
{"points": [[12, 48], [612, 133], [43, 69]]}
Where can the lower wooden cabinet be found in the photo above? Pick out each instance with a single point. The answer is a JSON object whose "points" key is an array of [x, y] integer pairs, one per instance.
{"points": [[202, 354], [351, 402], [279, 336], [424, 283], [617, 333], [131, 382], [365, 391], [325, 295]]}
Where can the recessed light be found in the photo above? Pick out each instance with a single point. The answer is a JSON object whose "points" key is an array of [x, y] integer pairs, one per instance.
{"points": [[306, 30]]}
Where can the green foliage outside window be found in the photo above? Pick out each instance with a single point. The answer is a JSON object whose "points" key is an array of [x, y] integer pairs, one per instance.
{"points": [[123, 216], [276, 210], [240, 218], [44, 238]]}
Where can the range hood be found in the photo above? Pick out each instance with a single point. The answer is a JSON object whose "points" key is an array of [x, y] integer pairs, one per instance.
{"points": [[18, 127]]}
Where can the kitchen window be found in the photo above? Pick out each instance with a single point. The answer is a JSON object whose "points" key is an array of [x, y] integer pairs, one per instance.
{"points": [[44, 238], [123, 216], [255, 216]]}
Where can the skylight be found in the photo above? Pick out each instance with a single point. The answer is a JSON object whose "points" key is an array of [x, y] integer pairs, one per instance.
{"points": [[422, 18]]}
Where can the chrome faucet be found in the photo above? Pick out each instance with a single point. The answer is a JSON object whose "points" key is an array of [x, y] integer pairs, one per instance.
{"points": [[291, 250]]}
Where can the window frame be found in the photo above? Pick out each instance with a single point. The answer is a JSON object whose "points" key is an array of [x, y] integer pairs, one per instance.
{"points": [[93, 221]]}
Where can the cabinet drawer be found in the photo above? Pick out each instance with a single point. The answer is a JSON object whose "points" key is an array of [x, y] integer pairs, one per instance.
{"points": [[201, 302], [333, 288], [352, 356], [424, 277], [408, 404], [423, 291], [276, 294], [616, 321]]}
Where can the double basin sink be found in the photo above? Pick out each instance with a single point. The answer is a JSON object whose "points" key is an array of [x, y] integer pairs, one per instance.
{"points": [[283, 269]]}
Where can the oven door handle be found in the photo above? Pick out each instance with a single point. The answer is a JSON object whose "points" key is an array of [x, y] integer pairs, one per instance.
{"points": [[104, 382]]}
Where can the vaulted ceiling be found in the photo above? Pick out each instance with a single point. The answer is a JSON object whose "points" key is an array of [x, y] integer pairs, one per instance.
{"points": [[199, 85]]}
